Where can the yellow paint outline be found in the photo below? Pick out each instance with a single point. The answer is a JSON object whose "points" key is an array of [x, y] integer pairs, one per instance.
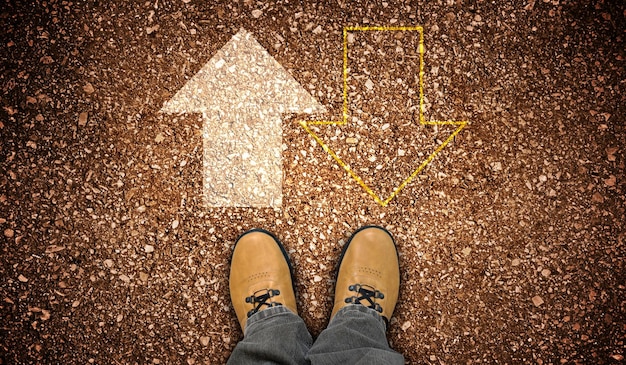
{"points": [[306, 124]]}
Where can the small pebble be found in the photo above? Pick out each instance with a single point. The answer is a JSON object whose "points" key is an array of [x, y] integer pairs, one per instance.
{"points": [[45, 315], [406, 325], [88, 88], [150, 30], [496, 166], [82, 119]]}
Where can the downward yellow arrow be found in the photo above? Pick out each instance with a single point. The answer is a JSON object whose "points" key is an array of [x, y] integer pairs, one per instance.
{"points": [[306, 124]]}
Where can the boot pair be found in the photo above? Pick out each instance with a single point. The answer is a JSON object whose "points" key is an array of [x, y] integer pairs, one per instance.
{"points": [[261, 274]]}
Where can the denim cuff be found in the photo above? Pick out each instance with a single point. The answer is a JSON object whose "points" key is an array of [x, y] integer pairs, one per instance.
{"points": [[358, 310], [266, 314]]}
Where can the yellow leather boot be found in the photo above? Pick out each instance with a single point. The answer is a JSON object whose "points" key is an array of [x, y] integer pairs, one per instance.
{"points": [[260, 275], [369, 272]]}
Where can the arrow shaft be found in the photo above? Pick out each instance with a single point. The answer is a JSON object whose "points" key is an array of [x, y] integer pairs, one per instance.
{"points": [[241, 161]]}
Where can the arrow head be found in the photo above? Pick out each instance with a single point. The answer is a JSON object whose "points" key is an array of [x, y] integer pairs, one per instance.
{"points": [[242, 74]]}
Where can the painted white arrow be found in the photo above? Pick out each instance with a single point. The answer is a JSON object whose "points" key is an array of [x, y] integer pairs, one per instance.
{"points": [[242, 92]]}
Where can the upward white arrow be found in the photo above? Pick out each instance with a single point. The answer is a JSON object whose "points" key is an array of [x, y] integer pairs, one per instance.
{"points": [[242, 91]]}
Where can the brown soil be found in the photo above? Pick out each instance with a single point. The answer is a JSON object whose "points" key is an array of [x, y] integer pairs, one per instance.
{"points": [[512, 241]]}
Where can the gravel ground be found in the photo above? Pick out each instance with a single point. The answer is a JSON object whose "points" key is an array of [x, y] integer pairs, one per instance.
{"points": [[512, 240]]}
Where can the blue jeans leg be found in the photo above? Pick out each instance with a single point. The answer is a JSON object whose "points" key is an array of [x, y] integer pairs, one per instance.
{"points": [[356, 335], [273, 336]]}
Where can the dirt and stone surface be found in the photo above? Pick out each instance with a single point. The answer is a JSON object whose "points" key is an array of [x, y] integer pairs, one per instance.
{"points": [[511, 241]]}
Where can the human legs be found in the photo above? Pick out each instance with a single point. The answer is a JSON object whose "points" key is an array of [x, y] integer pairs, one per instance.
{"points": [[366, 292], [356, 335], [273, 336]]}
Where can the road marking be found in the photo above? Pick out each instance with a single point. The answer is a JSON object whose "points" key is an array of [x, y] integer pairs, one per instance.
{"points": [[242, 92], [306, 124]]}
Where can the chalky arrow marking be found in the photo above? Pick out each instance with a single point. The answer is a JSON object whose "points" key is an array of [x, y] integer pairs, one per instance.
{"points": [[307, 124], [241, 92]]}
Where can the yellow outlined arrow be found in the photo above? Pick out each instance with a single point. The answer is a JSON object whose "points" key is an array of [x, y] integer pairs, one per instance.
{"points": [[306, 124]]}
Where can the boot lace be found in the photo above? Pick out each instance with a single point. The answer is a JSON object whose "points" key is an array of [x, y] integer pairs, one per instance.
{"points": [[367, 295], [260, 298]]}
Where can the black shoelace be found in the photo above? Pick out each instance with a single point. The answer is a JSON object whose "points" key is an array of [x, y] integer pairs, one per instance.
{"points": [[367, 294], [260, 300]]}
